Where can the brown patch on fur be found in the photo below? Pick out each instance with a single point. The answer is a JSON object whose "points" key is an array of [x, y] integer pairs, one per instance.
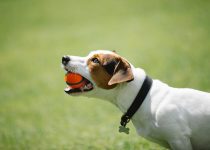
{"points": [[108, 79]]}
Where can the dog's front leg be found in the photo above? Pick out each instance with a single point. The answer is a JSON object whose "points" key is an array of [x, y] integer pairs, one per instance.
{"points": [[182, 143]]}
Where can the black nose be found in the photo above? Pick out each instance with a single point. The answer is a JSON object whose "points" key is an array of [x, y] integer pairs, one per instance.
{"points": [[65, 60]]}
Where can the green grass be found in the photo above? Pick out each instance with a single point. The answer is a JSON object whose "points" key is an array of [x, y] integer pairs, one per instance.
{"points": [[169, 39]]}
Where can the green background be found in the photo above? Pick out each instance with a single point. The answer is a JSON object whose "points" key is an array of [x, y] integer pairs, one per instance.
{"points": [[170, 39]]}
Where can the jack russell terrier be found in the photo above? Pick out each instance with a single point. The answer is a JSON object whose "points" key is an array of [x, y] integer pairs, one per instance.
{"points": [[176, 118]]}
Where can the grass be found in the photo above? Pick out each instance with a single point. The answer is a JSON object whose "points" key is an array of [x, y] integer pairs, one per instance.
{"points": [[169, 39]]}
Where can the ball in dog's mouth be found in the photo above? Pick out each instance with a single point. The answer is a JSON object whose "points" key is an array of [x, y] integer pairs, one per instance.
{"points": [[76, 83]]}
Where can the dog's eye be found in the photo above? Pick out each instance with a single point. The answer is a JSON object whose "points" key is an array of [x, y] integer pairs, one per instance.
{"points": [[95, 60]]}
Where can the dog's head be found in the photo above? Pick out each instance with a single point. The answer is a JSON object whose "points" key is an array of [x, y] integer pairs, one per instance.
{"points": [[101, 69]]}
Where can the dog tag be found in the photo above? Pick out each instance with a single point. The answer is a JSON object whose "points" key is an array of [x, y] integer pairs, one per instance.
{"points": [[123, 129]]}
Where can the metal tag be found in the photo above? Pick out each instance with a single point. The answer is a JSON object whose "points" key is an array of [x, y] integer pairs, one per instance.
{"points": [[123, 129]]}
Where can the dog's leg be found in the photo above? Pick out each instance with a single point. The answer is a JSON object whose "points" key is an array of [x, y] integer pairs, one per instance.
{"points": [[182, 143]]}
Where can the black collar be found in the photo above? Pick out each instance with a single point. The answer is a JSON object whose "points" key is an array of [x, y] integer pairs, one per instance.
{"points": [[146, 86]]}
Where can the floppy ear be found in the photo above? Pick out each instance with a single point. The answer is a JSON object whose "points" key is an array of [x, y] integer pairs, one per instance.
{"points": [[110, 66], [122, 72]]}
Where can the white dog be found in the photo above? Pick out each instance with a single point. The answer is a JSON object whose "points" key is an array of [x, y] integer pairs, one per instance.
{"points": [[176, 118]]}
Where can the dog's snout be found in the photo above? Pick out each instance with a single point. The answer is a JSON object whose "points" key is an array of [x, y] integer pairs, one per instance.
{"points": [[65, 60]]}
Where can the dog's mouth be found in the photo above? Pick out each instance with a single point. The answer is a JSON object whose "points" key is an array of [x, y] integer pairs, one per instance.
{"points": [[84, 85]]}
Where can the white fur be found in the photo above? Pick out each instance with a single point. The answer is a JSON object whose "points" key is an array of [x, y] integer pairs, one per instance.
{"points": [[173, 117]]}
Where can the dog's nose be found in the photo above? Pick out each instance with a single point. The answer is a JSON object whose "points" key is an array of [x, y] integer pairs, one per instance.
{"points": [[65, 60]]}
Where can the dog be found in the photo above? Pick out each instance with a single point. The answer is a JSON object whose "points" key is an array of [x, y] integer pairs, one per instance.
{"points": [[176, 118]]}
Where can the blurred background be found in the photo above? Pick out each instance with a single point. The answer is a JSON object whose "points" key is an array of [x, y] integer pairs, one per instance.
{"points": [[170, 39]]}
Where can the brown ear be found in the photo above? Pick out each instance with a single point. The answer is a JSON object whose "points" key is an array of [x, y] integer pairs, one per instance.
{"points": [[122, 73]]}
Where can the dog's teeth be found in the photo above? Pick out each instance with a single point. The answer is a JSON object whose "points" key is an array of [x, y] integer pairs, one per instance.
{"points": [[82, 89], [89, 85], [67, 89]]}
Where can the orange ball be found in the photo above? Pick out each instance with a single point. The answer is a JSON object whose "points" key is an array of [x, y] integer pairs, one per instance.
{"points": [[74, 80]]}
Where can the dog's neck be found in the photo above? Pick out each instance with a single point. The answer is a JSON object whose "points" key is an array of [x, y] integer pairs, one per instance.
{"points": [[128, 91]]}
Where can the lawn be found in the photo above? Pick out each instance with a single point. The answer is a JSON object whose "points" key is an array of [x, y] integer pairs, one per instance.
{"points": [[169, 39]]}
